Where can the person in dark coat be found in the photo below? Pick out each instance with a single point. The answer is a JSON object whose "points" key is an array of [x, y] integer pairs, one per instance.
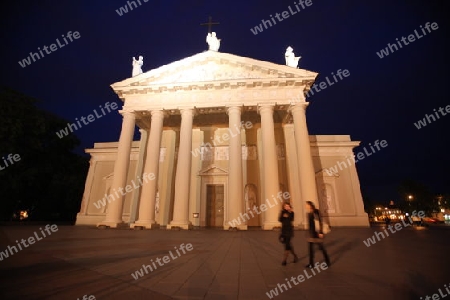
{"points": [[287, 231], [315, 235]]}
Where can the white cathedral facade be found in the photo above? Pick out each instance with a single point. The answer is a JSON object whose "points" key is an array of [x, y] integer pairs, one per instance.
{"points": [[221, 135]]}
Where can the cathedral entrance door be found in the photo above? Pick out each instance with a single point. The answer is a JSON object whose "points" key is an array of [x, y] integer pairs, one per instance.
{"points": [[214, 205]]}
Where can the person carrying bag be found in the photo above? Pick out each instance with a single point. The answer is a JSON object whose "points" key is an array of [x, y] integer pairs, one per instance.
{"points": [[315, 234]]}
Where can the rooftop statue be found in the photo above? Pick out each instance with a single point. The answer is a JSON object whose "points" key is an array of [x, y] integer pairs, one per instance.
{"points": [[291, 60], [137, 66], [213, 41]]}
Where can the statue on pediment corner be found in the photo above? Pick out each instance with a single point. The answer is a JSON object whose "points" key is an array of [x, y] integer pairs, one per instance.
{"points": [[137, 66], [291, 60]]}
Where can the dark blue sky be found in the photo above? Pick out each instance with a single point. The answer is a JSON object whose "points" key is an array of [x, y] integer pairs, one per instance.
{"points": [[381, 99]]}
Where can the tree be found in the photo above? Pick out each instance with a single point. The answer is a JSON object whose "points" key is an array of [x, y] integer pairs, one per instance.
{"points": [[443, 201], [49, 178], [416, 196], [369, 203]]}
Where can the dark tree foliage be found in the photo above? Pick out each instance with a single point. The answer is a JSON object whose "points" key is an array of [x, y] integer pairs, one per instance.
{"points": [[416, 196], [369, 203], [444, 201], [49, 178]]}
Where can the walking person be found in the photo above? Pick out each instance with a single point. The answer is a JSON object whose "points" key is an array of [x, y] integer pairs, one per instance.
{"points": [[387, 220], [287, 232], [315, 235]]}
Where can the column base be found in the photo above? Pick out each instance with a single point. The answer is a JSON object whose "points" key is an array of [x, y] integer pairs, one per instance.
{"points": [[144, 225], [89, 220], [240, 227], [271, 225], [109, 224], [175, 226], [302, 226]]}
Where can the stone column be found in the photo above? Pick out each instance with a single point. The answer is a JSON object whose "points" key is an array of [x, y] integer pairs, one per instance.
{"points": [[235, 190], [138, 175], [167, 173], [88, 187], [115, 208], [270, 161], [150, 176], [305, 162], [195, 189], [293, 177], [183, 175]]}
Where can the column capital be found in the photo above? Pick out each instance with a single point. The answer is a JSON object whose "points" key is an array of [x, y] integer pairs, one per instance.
{"points": [[234, 108], [127, 113], [158, 113], [297, 106], [266, 107], [186, 110]]}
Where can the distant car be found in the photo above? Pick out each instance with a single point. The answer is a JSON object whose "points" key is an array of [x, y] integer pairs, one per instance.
{"points": [[416, 220], [432, 220], [20, 215]]}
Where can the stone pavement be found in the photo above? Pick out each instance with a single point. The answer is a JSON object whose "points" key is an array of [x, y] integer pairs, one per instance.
{"points": [[77, 261]]}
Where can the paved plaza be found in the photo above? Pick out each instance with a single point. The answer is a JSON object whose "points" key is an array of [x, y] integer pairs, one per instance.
{"points": [[77, 261]]}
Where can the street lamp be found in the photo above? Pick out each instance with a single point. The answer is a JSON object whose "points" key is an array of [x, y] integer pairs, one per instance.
{"points": [[409, 199]]}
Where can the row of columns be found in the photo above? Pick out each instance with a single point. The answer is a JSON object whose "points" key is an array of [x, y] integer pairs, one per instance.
{"points": [[182, 177]]}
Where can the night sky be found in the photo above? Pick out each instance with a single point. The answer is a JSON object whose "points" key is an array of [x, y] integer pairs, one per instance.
{"points": [[380, 100]]}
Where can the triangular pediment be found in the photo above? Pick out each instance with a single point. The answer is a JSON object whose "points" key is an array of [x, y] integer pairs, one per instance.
{"points": [[216, 67], [212, 170]]}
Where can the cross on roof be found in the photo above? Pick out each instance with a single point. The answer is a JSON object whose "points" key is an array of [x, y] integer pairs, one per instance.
{"points": [[209, 24]]}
